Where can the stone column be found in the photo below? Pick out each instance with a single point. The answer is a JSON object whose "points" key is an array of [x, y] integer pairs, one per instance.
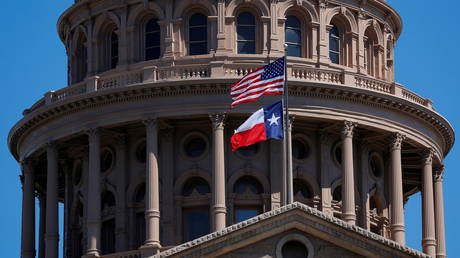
{"points": [[218, 168], [428, 239], [439, 213], [348, 182], [28, 210], [52, 233], [121, 238], [396, 190], [93, 206], [41, 227], [152, 200]]}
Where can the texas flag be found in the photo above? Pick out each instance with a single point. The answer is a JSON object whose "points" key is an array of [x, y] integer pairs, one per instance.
{"points": [[265, 123]]}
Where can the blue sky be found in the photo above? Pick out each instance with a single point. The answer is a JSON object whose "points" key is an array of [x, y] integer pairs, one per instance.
{"points": [[32, 62]]}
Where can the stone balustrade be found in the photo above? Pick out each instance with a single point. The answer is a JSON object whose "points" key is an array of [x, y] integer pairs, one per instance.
{"points": [[129, 254], [187, 70]]}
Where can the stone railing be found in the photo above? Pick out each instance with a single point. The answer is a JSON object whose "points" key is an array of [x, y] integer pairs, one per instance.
{"points": [[129, 254], [316, 75], [373, 84], [182, 72], [232, 70]]}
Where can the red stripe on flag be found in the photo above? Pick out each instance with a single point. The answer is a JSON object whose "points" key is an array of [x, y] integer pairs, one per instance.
{"points": [[249, 137]]}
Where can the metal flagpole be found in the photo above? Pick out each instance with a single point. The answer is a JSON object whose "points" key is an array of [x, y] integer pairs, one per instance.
{"points": [[287, 149]]}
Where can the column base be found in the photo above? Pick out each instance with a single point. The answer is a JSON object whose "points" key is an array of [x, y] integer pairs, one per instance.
{"points": [[150, 249], [96, 255], [349, 218]]}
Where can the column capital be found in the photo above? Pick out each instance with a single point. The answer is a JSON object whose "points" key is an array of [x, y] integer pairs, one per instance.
{"points": [[50, 145], [27, 165], [396, 141], [348, 129], [438, 174], [150, 123], [92, 133], [167, 133], [427, 156], [218, 120]]}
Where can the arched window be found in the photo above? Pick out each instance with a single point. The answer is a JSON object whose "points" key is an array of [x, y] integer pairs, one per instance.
{"points": [[152, 40], [248, 202], [246, 33], [113, 49], [294, 249], [196, 220], [108, 224], [198, 34], [81, 59], [371, 63], [293, 36], [334, 44]]}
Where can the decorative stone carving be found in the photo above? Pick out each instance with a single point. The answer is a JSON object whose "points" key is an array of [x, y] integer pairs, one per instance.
{"points": [[218, 120], [438, 174], [348, 129], [396, 141], [427, 156]]}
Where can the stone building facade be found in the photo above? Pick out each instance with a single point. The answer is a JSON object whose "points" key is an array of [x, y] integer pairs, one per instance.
{"points": [[137, 145]]}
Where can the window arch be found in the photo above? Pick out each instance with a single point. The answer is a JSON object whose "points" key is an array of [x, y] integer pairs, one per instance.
{"points": [[248, 201], [246, 33], [293, 36], [195, 211], [334, 44], [152, 40], [198, 34]]}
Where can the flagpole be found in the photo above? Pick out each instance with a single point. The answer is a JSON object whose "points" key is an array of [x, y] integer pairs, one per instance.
{"points": [[287, 177]]}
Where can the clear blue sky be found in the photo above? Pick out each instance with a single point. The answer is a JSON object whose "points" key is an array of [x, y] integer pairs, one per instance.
{"points": [[32, 61]]}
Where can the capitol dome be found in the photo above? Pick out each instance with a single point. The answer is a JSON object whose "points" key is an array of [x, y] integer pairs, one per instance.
{"points": [[137, 146]]}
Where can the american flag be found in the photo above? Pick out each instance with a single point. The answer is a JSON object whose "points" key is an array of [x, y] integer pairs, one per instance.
{"points": [[267, 80]]}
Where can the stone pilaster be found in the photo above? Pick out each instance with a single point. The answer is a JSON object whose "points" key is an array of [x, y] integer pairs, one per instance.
{"points": [[121, 209], [52, 233], [439, 213], [348, 182], [28, 210], [428, 238], [396, 190], [93, 222], [167, 176], [289, 177], [152, 199], [219, 209], [325, 180]]}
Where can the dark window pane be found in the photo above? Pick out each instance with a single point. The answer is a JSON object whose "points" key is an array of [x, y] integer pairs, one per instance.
{"points": [[198, 19], [293, 36], [140, 229], [198, 48], [152, 25], [247, 185], [334, 31], [153, 53], [198, 33], [292, 21], [334, 58], [246, 48], [106, 160], [246, 18], [334, 45], [294, 50], [337, 194], [152, 40], [108, 237], [196, 223], [140, 193], [242, 214], [107, 200], [246, 33], [294, 249]]}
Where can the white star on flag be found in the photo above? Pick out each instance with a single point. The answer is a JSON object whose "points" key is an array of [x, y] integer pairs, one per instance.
{"points": [[273, 120]]}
